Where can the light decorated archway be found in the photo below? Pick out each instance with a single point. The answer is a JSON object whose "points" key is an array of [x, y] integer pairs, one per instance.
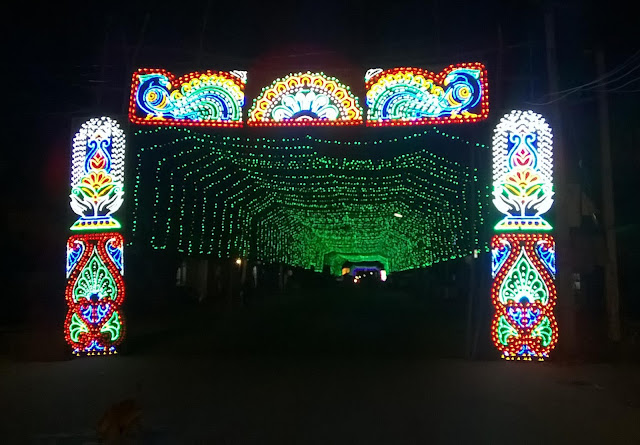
{"points": [[280, 199]]}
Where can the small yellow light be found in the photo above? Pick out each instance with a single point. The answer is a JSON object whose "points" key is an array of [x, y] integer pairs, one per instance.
{"points": [[239, 261]]}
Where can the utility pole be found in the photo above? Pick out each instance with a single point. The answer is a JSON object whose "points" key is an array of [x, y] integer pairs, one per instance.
{"points": [[105, 55], [499, 83], [130, 63], [205, 18], [566, 297], [472, 263], [611, 262]]}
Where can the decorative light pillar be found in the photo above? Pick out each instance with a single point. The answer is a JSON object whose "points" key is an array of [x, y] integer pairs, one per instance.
{"points": [[523, 267], [95, 263]]}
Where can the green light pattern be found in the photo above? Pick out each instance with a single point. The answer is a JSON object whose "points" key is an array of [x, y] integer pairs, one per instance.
{"points": [[284, 200], [523, 282], [505, 330], [112, 327], [77, 327], [95, 279], [544, 331]]}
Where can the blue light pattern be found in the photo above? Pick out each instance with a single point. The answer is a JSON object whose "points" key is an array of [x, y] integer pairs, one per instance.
{"points": [[547, 256], [95, 313], [73, 255], [115, 253], [524, 316], [208, 102], [415, 101], [522, 143], [498, 257]]}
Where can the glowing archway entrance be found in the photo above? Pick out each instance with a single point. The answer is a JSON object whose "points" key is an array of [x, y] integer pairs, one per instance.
{"points": [[303, 199]]}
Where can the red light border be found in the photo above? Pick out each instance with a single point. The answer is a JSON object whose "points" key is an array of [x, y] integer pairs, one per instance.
{"points": [[437, 79], [94, 241], [176, 82], [526, 241]]}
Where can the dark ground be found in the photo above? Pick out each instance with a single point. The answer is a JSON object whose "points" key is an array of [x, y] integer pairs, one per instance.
{"points": [[316, 370]]}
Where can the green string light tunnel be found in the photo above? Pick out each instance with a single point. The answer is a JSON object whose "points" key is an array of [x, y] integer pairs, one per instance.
{"points": [[285, 200]]}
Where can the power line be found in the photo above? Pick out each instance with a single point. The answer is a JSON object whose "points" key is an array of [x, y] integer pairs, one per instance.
{"points": [[601, 78], [621, 77], [635, 79], [598, 82]]}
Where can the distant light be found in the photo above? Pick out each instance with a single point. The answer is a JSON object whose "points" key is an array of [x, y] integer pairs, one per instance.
{"points": [[475, 253], [383, 275], [238, 261], [397, 215]]}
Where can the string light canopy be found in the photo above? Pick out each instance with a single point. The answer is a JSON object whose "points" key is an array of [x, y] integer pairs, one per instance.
{"points": [[412, 96], [305, 99], [207, 99], [282, 201]]}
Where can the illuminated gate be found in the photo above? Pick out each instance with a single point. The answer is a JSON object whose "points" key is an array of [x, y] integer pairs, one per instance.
{"points": [[218, 190]]}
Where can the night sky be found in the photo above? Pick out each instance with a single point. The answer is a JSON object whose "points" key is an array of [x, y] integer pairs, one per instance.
{"points": [[74, 61]]}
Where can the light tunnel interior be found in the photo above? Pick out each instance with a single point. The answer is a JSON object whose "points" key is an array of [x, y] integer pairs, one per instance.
{"points": [[407, 198]]}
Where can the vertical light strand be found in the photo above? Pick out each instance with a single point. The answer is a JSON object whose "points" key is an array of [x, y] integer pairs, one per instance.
{"points": [[523, 263], [95, 289]]}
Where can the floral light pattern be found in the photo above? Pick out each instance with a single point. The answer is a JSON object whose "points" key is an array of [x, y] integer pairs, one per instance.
{"points": [[523, 295], [522, 171], [94, 294], [97, 174], [210, 98], [305, 99], [410, 96]]}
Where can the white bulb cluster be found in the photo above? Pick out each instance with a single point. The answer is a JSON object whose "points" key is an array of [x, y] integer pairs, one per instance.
{"points": [[522, 123], [105, 127]]}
